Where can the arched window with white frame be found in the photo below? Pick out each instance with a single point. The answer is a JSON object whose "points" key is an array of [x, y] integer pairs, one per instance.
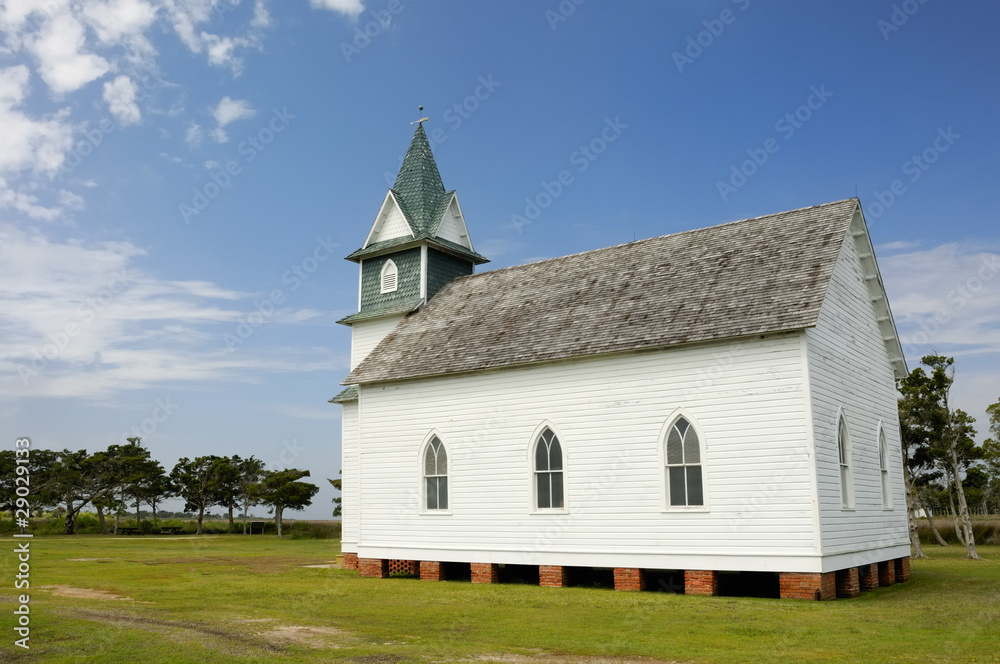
{"points": [[435, 475], [883, 466], [390, 277], [685, 487], [548, 471], [844, 459]]}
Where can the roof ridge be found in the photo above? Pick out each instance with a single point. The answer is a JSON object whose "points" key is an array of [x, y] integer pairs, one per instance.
{"points": [[649, 239]]}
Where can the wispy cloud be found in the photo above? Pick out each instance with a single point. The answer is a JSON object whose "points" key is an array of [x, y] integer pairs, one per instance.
{"points": [[86, 320]]}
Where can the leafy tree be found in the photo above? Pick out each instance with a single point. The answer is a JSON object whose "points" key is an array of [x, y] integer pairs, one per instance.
{"points": [[195, 482], [156, 486], [225, 490], [251, 472], [926, 395], [281, 490], [337, 511], [991, 458]]}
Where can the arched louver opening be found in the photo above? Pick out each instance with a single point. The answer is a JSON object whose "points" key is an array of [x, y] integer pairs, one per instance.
{"points": [[390, 276]]}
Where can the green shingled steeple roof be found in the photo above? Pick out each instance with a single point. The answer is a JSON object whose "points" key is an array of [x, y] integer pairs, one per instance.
{"points": [[418, 187], [423, 200]]}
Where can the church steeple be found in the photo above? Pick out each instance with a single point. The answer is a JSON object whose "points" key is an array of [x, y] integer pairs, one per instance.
{"points": [[418, 188], [418, 242]]}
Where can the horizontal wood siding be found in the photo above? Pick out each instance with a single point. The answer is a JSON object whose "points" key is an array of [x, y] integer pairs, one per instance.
{"points": [[850, 369], [365, 335], [350, 494], [746, 397]]}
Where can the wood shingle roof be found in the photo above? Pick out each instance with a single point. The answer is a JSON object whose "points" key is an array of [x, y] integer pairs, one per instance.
{"points": [[755, 276]]}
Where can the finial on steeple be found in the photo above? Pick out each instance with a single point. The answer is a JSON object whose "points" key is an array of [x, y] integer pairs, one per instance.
{"points": [[421, 120]]}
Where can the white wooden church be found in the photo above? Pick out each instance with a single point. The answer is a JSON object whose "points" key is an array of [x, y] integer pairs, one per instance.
{"points": [[701, 404]]}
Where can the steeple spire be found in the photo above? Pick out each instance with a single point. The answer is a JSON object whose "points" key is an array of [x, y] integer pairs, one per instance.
{"points": [[418, 186]]}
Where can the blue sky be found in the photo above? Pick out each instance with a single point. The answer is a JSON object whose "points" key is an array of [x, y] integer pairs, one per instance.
{"points": [[166, 166]]}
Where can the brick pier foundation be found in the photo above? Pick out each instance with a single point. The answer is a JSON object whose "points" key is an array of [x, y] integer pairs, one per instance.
{"points": [[808, 585], [553, 576], [431, 571], [629, 578], [350, 560], [868, 577], [887, 573], [485, 573], [700, 582], [376, 568], [848, 582], [902, 569]]}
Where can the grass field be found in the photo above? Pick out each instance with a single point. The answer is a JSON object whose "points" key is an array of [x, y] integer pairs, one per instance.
{"points": [[233, 599]]}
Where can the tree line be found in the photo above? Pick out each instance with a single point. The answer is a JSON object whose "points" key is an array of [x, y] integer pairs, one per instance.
{"points": [[945, 472], [122, 477]]}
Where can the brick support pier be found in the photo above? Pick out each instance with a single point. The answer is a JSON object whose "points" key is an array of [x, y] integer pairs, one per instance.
{"points": [[553, 576], [868, 577], [377, 568], [700, 582], [485, 573], [887, 573], [848, 582], [629, 578], [350, 560], [902, 569], [808, 585], [431, 571]]}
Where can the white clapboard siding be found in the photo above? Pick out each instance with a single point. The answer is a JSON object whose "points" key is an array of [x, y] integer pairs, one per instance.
{"points": [[350, 484], [365, 335], [849, 369], [452, 226], [746, 397]]}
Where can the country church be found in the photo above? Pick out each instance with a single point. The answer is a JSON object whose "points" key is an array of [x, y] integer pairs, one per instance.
{"points": [[704, 407]]}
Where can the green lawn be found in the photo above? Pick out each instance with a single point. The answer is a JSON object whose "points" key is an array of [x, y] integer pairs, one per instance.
{"points": [[234, 599]]}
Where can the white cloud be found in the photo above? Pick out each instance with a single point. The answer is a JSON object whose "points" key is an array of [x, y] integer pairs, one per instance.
{"points": [[120, 95], [25, 203], [348, 7], [26, 143], [193, 135], [63, 62], [261, 17], [898, 245], [71, 201], [84, 320], [113, 20], [228, 111]]}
